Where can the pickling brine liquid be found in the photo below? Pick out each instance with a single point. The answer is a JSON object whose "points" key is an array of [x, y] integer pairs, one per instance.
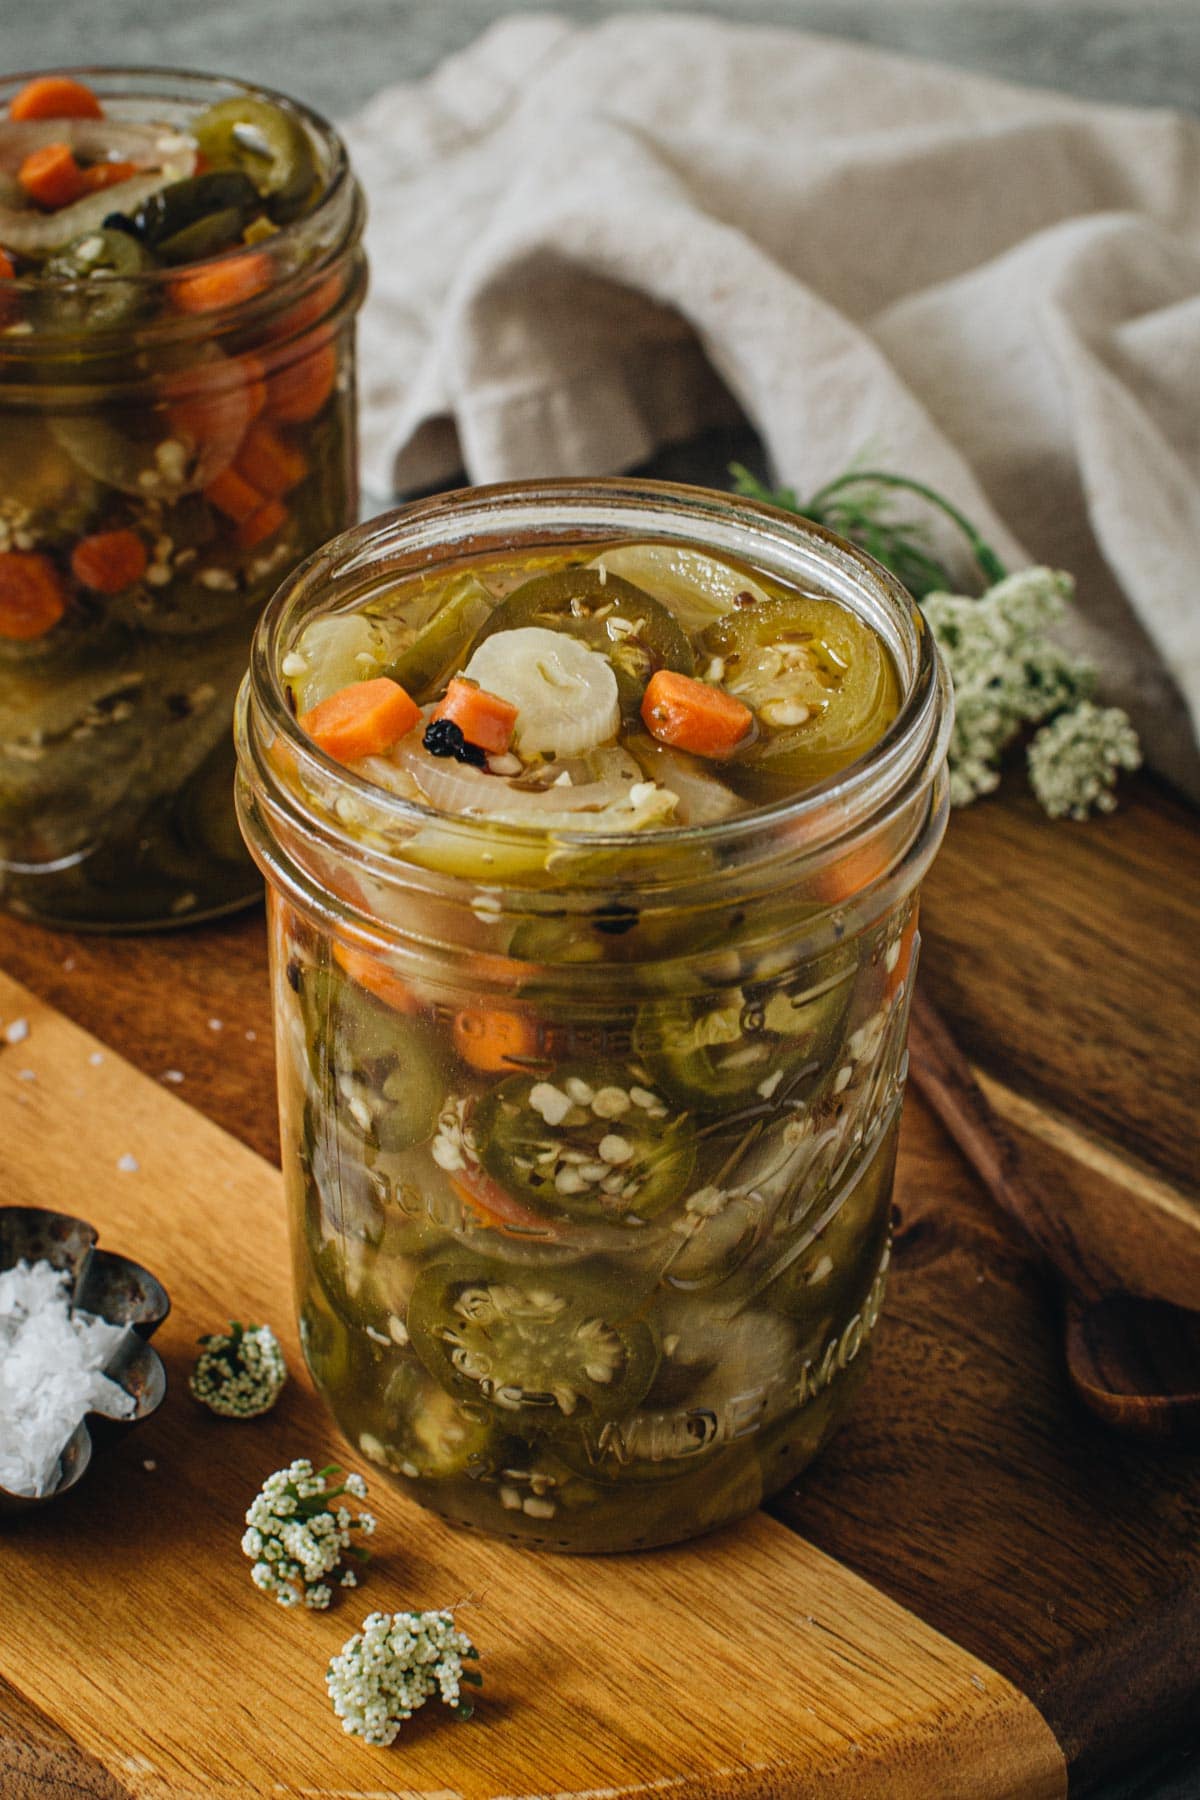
{"points": [[590, 1077]]}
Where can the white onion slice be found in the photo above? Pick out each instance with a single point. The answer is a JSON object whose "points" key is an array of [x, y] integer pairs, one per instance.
{"points": [[565, 694], [164, 154]]}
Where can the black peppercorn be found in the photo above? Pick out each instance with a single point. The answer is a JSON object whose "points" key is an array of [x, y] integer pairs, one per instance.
{"points": [[444, 738]]}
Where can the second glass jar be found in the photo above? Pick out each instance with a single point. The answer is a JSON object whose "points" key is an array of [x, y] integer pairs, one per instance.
{"points": [[176, 432]]}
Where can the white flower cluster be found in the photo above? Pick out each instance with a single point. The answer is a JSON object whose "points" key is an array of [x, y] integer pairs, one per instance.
{"points": [[392, 1666], [1007, 672], [1073, 761], [239, 1373], [297, 1537]]}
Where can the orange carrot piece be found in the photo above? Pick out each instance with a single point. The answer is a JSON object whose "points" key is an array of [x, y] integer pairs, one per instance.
{"points": [[55, 97], [108, 562], [857, 870], [213, 410], [255, 373], [32, 600], [230, 281], [364, 719], [298, 390], [8, 303], [98, 176], [492, 1039], [494, 1206], [261, 525], [369, 972], [484, 719], [269, 463], [693, 715], [233, 496], [51, 177], [310, 311]]}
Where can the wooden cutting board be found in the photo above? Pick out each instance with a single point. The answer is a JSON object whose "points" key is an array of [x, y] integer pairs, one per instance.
{"points": [[748, 1665]]}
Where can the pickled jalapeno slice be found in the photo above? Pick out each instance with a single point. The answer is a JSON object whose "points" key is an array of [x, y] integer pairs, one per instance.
{"points": [[546, 1345], [429, 1436], [587, 1142], [757, 1041], [817, 678], [383, 1066], [104, 256], [162, 221], [262, 141], [636, 632], [442, 645]]}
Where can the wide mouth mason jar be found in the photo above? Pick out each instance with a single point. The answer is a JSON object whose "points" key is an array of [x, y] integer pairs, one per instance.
{"points": [[728, 998], [176, 432]]}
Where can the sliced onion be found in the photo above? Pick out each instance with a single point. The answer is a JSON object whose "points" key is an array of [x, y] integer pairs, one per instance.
{"points": [[601, 804], [698, 589], [164, 154], [703, 797]]}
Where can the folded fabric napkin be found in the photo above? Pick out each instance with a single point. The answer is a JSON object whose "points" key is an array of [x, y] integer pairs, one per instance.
{"points": [[587, 242]]}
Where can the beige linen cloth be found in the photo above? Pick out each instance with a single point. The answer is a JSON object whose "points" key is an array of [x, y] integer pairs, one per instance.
{"points": [[587, 242]]}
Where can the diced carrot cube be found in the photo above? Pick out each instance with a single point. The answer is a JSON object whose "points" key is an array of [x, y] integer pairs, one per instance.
{"points": [[484, 719], [261, 525], [694, 715], [55, 97], [364, 719]]}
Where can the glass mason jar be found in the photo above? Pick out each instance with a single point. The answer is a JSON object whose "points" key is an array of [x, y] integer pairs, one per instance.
{"points": [[733, 995], [198, 418]]}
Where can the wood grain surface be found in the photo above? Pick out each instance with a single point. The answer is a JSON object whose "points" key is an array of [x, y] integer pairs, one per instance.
{"points": [[966, 1486], [746, 1666]]}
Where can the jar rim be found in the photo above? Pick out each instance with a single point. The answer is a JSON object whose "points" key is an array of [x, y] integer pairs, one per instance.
{"points": [[907, 757], [339, 191]]}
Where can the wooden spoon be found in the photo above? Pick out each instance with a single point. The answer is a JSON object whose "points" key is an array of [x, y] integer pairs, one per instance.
{"points": [[1133, 1362]]}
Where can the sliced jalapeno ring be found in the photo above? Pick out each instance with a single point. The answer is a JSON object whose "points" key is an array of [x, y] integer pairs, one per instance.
{"points": [[820, 683], [207, 236], [634, 630], [381, 1065], [742, 1044], [267, 144], [588, 1142], [182, 204], [102, 268], [424, 1433], [540, 1346], [442, 644]]}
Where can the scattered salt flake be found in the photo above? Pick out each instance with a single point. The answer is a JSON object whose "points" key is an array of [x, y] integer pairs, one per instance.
{"points": [[51, 1374], [252, 1037], [27, 1075], [127, 1164], [16, 1031], [96, 1058], [175, 1076], [68, 964], [216, 1024], [149, 1465]]}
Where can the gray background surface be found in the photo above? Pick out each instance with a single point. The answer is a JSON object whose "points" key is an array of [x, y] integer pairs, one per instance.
{"points": [[335, 53]]}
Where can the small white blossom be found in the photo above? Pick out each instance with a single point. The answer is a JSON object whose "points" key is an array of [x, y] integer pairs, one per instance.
{"points": [[1007, 672], [295, 1537], [1073, 761], [393, 1665], [241, 1373]]}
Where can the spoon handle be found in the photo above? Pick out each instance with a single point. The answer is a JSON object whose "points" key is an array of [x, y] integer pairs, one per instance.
{"points": [[944, 1077]]}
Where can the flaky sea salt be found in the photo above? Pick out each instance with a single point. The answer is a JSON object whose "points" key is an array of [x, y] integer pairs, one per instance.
{"points": [[51, 1363]]}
